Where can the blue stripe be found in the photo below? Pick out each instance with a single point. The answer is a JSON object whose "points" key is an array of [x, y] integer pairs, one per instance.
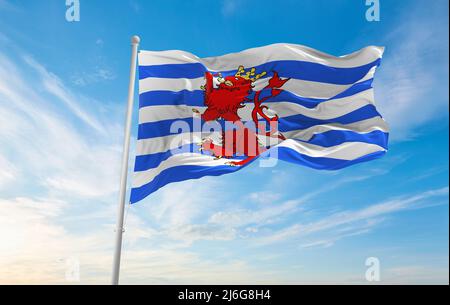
{"points": [[290, 155], [302, 70], [195, 98], [146, 162], [176, 174], [300, 121], [326, 139], [336, 137], [295, 122], [171, 98], [188, 172]]}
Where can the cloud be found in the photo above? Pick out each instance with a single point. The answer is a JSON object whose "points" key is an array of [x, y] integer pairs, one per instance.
{"points": [[412, 85], [349, 231], [30, 245], [415, 275], [241, 217], [363, 218], [55, 86], [8, 171], [98, 74], [264, 197], [59, 154], [100, 70], [36, 246], [58, 144], [202, 216], [175, 217]]}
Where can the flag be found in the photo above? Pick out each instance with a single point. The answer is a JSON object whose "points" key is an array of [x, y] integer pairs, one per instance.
{"points": [[212, 116]]}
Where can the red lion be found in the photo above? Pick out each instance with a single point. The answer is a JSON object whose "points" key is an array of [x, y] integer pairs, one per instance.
{"points": [[224, 102]]}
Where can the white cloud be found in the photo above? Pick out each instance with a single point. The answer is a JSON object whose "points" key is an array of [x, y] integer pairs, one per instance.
{"points": [[260, 217], [100, 70], [29, 242], [412, 85], [341, 233], [55, 86], [416, 274], [40, 136], [8, 172], [98, 74], [264, 197], [202, 216], [363, 218], [36, 246]]}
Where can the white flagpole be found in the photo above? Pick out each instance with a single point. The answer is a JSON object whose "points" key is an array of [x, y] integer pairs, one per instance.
{"points": [[126, 150]]}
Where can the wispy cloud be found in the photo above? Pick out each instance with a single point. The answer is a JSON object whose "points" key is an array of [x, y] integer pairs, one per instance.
{"points": [[415, 274], [363, 218], [36, 246], [56, 87], [412, 87], [98, 74], [349, 231], [203, 215], [40, 135], [57, 154], [8, 171], [100, 70]]}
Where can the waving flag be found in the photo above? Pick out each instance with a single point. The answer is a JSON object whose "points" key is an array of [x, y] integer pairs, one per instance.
{"points": [[211, 116]]}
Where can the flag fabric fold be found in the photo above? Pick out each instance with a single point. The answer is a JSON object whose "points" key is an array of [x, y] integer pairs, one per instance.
{"points": [[211, 116]]}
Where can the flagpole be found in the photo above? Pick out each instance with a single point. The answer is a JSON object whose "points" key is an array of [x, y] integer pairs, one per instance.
{"points": [[126, 150]]}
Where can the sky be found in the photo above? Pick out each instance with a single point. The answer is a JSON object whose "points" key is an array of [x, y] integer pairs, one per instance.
{"points": [[63, 88]]}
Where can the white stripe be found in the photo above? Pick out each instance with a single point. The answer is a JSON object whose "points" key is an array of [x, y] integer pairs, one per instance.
{"points": [[326, 110], [346, 151], [361, 127], [144, 177], [302, 88], [162, 144], [364, 127], [257, 56]]}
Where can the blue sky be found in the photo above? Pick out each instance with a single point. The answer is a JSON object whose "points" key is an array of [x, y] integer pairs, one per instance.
{"points": [[62, 100]]}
